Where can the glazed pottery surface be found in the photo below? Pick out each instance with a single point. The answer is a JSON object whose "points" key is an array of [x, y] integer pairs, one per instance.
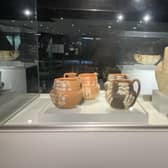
{"points": [[90, 86], [6, 55], [70, 74], [162, 73], [121, 94], [118, 76], [147, 59], [113, 77], [66, 92]]}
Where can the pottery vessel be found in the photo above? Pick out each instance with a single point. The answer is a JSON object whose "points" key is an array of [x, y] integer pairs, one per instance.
{"points": [[117, 76], [6, 55], [147, 59], [120, 94], [90, 86], [66, 92], [70, 74], [162, 73], [113, 77]]}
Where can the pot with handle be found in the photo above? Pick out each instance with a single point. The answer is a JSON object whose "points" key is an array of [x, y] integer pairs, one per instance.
{"points": [[122, 94]]}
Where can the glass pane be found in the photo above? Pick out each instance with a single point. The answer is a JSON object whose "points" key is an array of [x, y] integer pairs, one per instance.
{"points": [[87, 42], [18, 57]]}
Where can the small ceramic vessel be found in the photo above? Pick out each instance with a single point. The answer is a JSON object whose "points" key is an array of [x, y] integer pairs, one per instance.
{"points": [[120, 94], [66, 92], [90, 85]]}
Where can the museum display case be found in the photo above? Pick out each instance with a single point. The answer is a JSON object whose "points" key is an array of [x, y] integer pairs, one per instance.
{"points": [[18, 57], [83, 83], [83, 64]]}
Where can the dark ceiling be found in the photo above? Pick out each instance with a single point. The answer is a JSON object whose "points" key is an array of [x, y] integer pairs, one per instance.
{"points": [[13, 9], [88, 9], [104, 9]]}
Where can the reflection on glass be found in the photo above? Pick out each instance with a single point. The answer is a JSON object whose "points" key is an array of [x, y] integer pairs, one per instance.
{"points": [[147, 18], [120, 17], [91, 37], [18, 57], [27, 12]]}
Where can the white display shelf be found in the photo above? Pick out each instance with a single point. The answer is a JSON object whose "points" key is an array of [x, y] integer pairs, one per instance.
{"points": [[43, 112]]}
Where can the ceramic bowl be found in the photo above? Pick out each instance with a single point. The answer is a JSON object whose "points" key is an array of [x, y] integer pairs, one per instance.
{"points": [[147, 59]]}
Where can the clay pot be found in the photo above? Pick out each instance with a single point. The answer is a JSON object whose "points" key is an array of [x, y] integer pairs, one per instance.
{"points": [[121, 94], [162, 73], [70, 74], [66, 92], [6, 55], [117, 76], [113, 77], [90, 86], [147, 59]]}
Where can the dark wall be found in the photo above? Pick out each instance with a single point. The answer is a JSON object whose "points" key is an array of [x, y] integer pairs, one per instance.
{"points": [[13, 9], [102, 9]]}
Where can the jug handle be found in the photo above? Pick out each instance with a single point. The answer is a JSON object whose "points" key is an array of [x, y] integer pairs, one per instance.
{"points": [[138, 90]]}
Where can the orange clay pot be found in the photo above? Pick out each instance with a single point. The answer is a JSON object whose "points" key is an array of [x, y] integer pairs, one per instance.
{"points": [[66, 92], [90, 86], [70, 74]]}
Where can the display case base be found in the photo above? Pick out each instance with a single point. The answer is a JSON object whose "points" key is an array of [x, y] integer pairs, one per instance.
{"points": [[92, 112], [160, 101]]}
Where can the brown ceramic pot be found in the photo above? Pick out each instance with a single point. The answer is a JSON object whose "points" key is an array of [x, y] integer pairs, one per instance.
{"points": [[113, 77], [117, 76], [90, 86], [66, 92], [121, 94]]}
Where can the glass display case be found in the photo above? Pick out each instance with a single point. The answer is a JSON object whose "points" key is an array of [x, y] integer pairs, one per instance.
{"points": [[83, 64], [18, 57], [83, 83]]}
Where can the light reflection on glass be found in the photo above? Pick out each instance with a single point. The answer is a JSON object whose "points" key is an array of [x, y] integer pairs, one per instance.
{"points": [[131, 109], [147, 18], [27, 12], [120, 17], [29, 121]]}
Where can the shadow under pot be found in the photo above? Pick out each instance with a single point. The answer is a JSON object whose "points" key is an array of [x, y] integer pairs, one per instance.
{"points": [[66, 92], [122, 94], [90, 85]]}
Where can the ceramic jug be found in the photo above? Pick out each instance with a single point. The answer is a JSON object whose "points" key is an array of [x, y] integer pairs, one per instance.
{"points": [[90, 86], [66, 92], [113, 77], [70, 74], [122, 94], [117, 76]]}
